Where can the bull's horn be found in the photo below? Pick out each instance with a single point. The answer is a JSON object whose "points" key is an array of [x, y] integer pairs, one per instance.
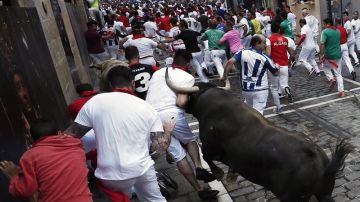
{"points": [[227, 85], [179, 89]]}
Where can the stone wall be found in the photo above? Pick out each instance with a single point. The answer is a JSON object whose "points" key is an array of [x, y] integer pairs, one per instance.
{"points": [[56, 49], [81, 68]]}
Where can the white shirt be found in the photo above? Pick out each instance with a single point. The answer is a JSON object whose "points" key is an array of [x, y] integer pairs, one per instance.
{"points": [[193, 24], [122, 125], [292, 18], [348, 27], [150, 29], [174, 31], [291, 44], [309, 39], [144, 45], [313, 24], [356, 26], [118, 25], [243, 22], [160, 96]]}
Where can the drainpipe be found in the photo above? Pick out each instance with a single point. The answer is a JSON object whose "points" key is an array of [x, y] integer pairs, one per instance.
{"points": [[329, 3]]}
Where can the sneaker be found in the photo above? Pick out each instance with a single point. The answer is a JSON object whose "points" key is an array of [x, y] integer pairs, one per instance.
{"points": [[204, 175], [318, 74], [353, 75], [206, 72], [281, 95], [208, 195], [342, 94], [278, 110], [332, 84], [311, 71], [357, 64], [289, 94]]}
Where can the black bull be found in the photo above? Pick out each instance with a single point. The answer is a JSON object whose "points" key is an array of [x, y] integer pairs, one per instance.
{"points": [[285, 162]]}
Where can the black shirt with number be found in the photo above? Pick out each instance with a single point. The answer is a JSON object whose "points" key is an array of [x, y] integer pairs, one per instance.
{"points": [[190, 40], [142, 74]]}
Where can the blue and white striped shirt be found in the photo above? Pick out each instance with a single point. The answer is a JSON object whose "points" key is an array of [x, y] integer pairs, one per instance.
{"points": [[253, 69]]}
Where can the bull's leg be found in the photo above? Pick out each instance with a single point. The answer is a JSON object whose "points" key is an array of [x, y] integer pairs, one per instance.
{"points": [[201, 173], [231, 176], [324, 198], [218, 172]]}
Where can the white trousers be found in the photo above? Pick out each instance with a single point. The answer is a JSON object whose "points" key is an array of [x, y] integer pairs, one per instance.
{"points": [[113, 51], [345, 57], [146, 186], [283, 78], [256, 99], [275, 89], [181, 134], [337, 72], [357, 42], [148, 61], [197, 59], [352, 53], [307, 58], [317, 48], [219, 58], [99, 57]]}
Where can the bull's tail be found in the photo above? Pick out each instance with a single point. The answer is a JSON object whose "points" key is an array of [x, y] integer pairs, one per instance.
{"points": [[338, 157]]}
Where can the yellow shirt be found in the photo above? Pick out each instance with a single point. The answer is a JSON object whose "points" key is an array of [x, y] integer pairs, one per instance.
{"points": [[257, 26]]}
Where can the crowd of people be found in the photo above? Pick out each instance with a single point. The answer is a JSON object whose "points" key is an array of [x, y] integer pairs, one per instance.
{"points": [[136, 113]]}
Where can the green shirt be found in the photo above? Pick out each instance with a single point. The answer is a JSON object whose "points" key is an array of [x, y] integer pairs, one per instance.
{"points": [[287, 26], [331, 40], [214, 36]]}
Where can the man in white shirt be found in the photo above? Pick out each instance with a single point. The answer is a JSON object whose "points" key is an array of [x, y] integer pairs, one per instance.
{"points": [[193, 24], [307, 54], [291, 17], [243, 28], [145, 46], [356, 25], [351, 38], [174, 31], [313, 23], [171, 106], [124, 123], [150, 28]]}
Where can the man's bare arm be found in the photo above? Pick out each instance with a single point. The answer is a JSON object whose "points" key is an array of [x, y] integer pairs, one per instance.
{"points": [[161, 140], [77, 130]]}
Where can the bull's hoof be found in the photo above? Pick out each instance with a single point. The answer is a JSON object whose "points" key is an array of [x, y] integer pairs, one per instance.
{"points": [[204, 175], [219, 174], [208, 195], [231, 177]]}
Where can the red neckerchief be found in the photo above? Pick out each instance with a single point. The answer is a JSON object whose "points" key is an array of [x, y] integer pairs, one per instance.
{"points": [[331, 27], [138, 36], [346, 19], [184, 68], [332, 62], [88, 93], [125, 90]]}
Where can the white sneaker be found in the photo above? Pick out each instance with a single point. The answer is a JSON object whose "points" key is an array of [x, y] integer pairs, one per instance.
{"points": [[278, 110]]}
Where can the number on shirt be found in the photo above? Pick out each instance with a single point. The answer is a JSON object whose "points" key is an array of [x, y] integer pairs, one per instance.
{"points": [[189, 23], [144, 79], [195, 24]]}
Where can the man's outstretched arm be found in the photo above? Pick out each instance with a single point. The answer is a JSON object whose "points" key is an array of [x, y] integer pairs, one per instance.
{"points": [[77, 130]]}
